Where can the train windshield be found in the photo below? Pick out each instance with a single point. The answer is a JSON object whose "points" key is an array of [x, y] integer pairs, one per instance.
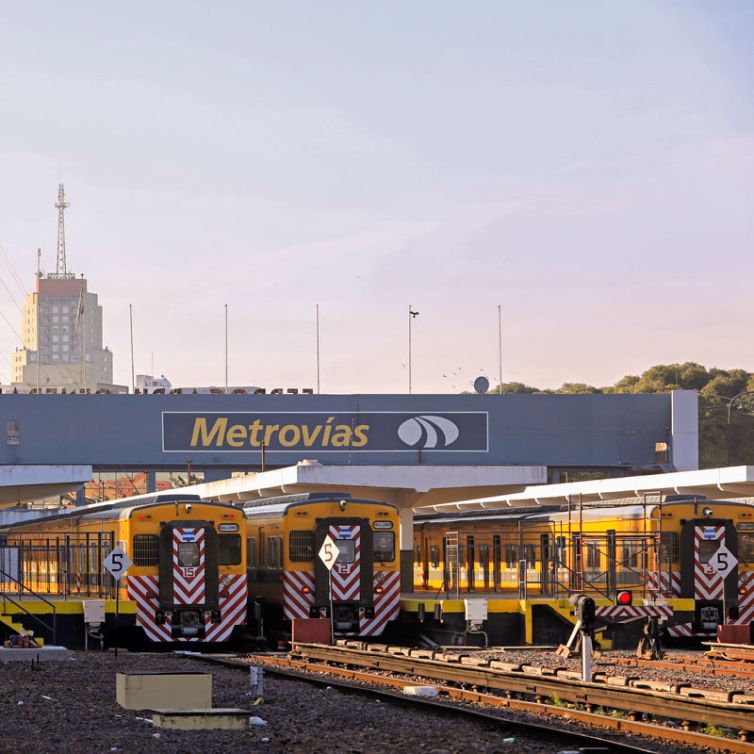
{"points": [[346, 550], [188, 554], [384, 545]]}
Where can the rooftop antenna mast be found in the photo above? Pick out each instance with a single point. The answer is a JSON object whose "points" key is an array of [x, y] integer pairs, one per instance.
{"points": [[40, 273], [62, 205]]}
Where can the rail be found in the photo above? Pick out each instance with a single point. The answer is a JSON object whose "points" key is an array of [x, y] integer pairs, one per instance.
{"points": [[733, 710], [20, 606]]}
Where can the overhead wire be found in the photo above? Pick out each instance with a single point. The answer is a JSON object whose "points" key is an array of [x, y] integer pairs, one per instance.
{"points": [[12, 269]]}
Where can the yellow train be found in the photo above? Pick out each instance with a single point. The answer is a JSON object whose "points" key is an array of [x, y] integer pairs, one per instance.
{"points": [[290, 581], [188, 574], [684, 549]]}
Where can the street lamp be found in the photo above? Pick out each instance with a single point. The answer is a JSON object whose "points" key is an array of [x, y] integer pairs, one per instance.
{"points": [[735, 398], [411, 315]]}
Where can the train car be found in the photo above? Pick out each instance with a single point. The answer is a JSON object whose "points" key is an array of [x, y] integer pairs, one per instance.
{"points": [[693, 553], [288, 579], [188, 577]]}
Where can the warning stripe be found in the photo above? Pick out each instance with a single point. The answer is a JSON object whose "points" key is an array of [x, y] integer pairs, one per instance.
{"points": [[144, 590], [669, 583], [386, 603], [346, 577], [296, 602], [189, 583], [707, 586], [745, 598], [633, 611]]}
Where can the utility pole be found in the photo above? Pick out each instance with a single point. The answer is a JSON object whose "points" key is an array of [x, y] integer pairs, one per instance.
{"points": [[500, 348], [411, 315], [226, 348], [317, 306], [131, 321]]}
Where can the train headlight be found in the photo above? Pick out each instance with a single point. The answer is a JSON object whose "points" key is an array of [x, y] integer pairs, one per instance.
{"points": [[707, 512]]}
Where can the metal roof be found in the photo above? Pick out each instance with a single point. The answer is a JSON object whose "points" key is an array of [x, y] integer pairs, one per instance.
{"points": [[715, 484]]}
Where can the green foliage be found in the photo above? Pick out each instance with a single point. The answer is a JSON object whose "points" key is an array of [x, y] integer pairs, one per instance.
{"points": [[577, 387], [726, 418]]}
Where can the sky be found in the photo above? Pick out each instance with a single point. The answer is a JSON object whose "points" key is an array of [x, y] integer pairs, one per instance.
{"points": [[586, 166]]}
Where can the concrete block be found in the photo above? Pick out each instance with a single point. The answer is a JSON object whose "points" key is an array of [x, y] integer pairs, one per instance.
{"points": [[50, 653], [216, 718], [154, 689]]}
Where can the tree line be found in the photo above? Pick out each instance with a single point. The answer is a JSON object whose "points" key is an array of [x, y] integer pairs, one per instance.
{"points": [[726, 404]]}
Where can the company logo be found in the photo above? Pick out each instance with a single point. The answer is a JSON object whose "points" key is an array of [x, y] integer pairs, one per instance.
{"points": [[428, 431], [316, 432]]}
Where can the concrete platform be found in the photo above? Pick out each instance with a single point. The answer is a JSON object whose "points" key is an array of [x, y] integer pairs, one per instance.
{"points": [[215, 718], [50, 653]]}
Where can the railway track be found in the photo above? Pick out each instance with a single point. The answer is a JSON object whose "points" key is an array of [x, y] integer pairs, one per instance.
{"points": [[619, 704], [689, 664], [452, 700]]}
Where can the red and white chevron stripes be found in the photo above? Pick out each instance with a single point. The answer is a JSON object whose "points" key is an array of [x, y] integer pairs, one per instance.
{"points": [[707, 584], [614, 612], [189, 581], [745, 597], [669, 583], [232, 598], [298, 594], [346, 577], [680, 630], [386, 603]]}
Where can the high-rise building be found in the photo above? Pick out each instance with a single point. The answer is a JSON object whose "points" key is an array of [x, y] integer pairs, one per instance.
{"points": [[62, 330]]}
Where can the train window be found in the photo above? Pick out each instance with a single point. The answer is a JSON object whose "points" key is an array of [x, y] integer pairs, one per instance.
{"points": [[301, 546], [251, 552], [434, 556], [634, 553], [383, 546], [484, 556], [510, 556], [273, 552], [188, 554], [745, 547], [530, 554], [229, 552], [347, 550], [146, 550], [707, 548], [593, 555], [418, 554], [669, 546]]}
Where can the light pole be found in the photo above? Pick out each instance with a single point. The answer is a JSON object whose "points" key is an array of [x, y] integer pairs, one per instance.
{"points": [[735, 398], [411, 315]]}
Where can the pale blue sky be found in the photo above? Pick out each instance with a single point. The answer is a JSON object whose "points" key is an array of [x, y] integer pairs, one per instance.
{"points": [[587, 165]]}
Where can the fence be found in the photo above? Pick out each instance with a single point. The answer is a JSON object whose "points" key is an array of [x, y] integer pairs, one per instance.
{"points": [[65, 565]]}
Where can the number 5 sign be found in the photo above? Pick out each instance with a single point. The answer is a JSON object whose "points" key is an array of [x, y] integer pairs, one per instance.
{"points": [[723, 561], [117, 563], [329, 552]]}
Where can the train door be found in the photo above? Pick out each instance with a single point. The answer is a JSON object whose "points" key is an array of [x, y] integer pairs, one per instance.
{"points": [[352, 574], [700, 541], [188, 572]]}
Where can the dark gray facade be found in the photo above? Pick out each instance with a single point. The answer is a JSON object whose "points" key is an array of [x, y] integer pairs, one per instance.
{"points": [[229, 431]]}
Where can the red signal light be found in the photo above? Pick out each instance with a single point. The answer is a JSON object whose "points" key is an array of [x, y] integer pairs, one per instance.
{"points": [[624, 599]]}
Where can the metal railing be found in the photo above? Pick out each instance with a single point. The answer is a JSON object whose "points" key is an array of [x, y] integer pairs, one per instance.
{"points": [[53, 629]]}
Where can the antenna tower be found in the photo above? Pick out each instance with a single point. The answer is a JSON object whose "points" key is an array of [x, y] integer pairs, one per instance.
{"points": [[61, 205]]}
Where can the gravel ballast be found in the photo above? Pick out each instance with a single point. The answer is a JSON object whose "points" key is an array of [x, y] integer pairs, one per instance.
{"points": [[70, 707]]}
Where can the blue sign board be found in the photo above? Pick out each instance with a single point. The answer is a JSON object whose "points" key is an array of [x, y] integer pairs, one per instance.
{"points": [[324, 432]]}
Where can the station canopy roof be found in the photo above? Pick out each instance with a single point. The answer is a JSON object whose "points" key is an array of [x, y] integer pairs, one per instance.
{"points": [[405, 486], [22, 483], [714, 484]]}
